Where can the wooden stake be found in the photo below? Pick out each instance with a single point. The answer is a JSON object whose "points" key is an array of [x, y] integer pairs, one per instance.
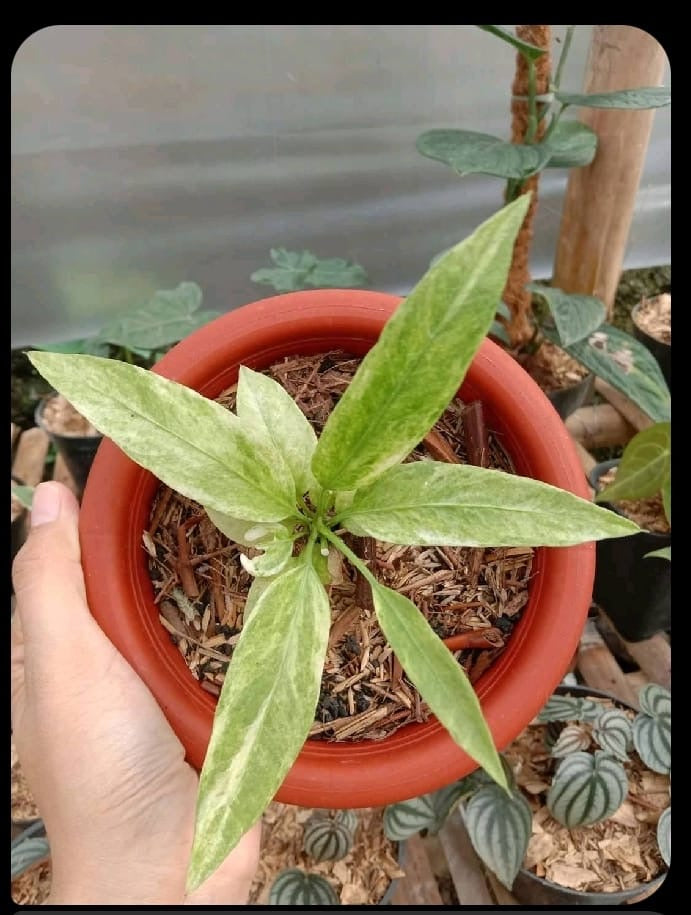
{"points": [[600, 198], [628, 409], [599, 426], [600, 669]]}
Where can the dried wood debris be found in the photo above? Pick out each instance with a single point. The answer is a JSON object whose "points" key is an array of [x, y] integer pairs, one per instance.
{"points": [[201, 586]]}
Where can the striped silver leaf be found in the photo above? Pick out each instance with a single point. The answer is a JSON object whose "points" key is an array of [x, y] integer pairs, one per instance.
{"points": [[664, 835], [405, 819], [586, 789], [561, 708], [499, 826], [348, 818], [652, 738], [28, 853], [572, 739], [655, 700], [325, 839], [613, 732], [295, 887]]}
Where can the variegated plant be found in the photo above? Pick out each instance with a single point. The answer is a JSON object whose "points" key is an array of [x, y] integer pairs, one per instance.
{"points": [[587, 787], [266, 481]]}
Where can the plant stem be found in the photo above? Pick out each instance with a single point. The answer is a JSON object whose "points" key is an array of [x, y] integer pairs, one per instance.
{"points": [[354, 560], [562, 56], [532, 103]]}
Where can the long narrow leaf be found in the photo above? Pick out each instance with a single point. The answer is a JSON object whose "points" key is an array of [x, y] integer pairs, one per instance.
{"points": [[530, 51], [643, 97], [408, 378], [428, 503], [438, 676], [263, 716], [192, 444]]}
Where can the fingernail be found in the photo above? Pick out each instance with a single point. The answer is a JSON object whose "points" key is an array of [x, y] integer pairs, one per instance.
{"points": [[45, 505]]}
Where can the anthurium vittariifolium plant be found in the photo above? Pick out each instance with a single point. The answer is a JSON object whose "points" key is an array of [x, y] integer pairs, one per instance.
{"points": [[265, 480]]}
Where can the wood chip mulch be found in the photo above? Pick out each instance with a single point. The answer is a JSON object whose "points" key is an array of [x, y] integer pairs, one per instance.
{"points": [[201, 586], [60, 417], [616, 854], [360, 878], [33, 886], [647, 513], [552, 368], [654, 316]]}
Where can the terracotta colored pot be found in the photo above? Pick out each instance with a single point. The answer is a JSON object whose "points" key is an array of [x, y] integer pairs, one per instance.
{"points": [[420, 757]]}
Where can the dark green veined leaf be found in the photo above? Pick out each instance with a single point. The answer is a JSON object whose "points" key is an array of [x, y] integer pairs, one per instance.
{"points": [[586, 789], [573, 145], [429, 811], [27, 854], [169, 316], [531, 51], [626, 364], [576, 316], [469, 152], [652, 728], [561, 708], [613, 733], [499, 826], [664, 835], [349, 819], [295, 887], [263, 716], [643, 97], [644, 469], [428, 503], [409, 377], [326, 839], [441, 681], [192, 444]]}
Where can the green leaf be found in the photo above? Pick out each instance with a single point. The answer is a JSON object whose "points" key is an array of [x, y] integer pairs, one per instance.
{"points": [[626, 364], [272, 561], [643, 97], [586, 789], [409, 377], [571, 739], [530, 51], [664, 835], [246, 533], [27, 854], [613, 733], [429, 811], [301, 269], [499, 826], [499, 331], [259, 585], [561, 708], [576, 316], [573, 145], [469, 152], [169, 316], [263, 716], [23, 494], [440, 679], [90, 345], [652, 728], [428, 503], [190, 443], [645, 466], [504, 311], [664, 552], [268, 409]]}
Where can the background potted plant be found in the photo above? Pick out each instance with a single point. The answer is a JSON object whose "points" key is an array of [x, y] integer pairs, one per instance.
{"points": [[578, 763], [633, 579], [652, 325], [247, 470]]}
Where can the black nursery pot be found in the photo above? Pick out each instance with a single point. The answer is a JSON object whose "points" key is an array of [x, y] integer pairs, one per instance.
{"points": [[566, 400], [78, 451], [634, 592], [532, 890], [661, 351]]}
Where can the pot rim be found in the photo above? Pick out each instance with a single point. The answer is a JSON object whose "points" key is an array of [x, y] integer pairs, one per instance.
{"points": [[634, 311], [420, 757], [59, 436]]}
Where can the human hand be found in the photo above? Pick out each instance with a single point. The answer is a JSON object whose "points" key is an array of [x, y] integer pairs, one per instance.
{"points": [[105, 768]]}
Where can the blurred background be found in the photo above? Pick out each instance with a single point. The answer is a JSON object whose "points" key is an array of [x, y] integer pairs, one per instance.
{"points": [[143, 156]]}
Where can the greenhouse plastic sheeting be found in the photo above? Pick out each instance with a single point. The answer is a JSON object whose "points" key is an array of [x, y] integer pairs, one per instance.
{"points": [[143, 156]]}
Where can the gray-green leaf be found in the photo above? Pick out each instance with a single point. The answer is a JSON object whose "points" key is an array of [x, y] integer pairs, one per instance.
{"points": [[90, 345], [652, 728], [268, 409], [586, 789], [573, 145], [295, 270], [499, 826], [664, 835], [626, 364], [169, 316], [440, 679], [27, 854], [429, 811], [263, 716], [575, 315], [613, 732], [409, 377], [572, 739], [561, 708], [643, 97], [428, 503], [23, 494], [530, 51], [192, 444], [469, 152], [644, 469]]}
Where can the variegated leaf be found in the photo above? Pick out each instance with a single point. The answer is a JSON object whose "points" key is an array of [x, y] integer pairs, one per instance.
{"points": [[613, 733], [571, 739], [561, 708], [499, 826], [264, 714], [586, 789]]}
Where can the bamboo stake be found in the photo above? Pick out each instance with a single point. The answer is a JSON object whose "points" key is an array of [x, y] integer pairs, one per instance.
{"points": [[599, 426], [600, 198], [628, 409]]}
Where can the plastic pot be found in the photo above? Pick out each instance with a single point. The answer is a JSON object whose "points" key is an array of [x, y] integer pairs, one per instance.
{"points": [[660, 350], [634, 592], [78, 451], [420, 757], [566, 400], [532, 890]]}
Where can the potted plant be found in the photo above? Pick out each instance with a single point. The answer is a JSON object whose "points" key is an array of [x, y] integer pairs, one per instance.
{"points": [[246, 470], [326, 838], [578, 770], [652, 325], [632, 579]]}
